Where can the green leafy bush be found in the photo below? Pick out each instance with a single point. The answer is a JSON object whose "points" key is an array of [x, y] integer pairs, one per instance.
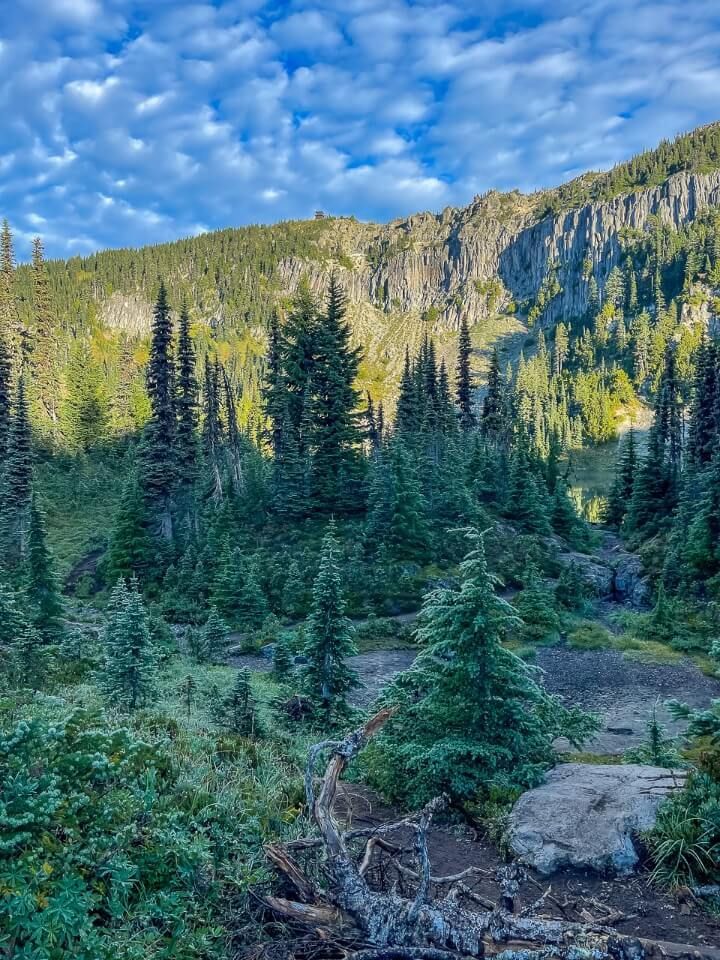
{"points": [[114, 847]]}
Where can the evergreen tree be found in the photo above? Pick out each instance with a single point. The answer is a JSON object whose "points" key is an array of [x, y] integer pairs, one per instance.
{"points": [[335, 434], [274, 389], [44, 346], [129, 673], [252, 605], [560, 350], [463, 378], [85, 411], [527, 501], [131, 551], [470, 714], [407, 534], [211, 430], [237, 712], [17, 481], [407, 415], [158, 463], [299, 351], [294, 595], [493, 419], [328, 678], [43, 596], [702, 432], [535, 604], [9, 324], [187, 405], [214, 640], [622, 487], [188, 690], [646, 511], [282, 659], [572, 590]]}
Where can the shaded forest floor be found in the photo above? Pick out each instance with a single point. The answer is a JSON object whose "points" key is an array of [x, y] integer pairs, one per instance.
{"points": [[629, 904]]}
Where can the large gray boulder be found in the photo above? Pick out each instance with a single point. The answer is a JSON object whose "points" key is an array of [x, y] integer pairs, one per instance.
{"points": [[585, 815]]}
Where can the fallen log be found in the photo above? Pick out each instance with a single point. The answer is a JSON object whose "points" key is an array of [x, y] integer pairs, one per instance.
{"points": [[425, 928]]}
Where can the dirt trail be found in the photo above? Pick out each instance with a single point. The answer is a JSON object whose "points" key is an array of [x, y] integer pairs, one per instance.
{"points": [[623, 692], [645, 911]]}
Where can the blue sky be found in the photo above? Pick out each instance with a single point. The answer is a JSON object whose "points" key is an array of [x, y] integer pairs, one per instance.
{"points": [[126, 123]]}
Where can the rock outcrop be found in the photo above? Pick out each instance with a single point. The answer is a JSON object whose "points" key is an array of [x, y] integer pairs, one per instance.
{"points": [[444, 265], [586, 815]]}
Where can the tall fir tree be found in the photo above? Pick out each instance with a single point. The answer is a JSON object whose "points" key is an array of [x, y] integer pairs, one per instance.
{"points": [[212, 431], [335, 434], [44, 356], [158, 460], [622, 487], [9, 321], [463, 378], [214, 640], [186, 402], [493, 418], [17, 480], [470, 713], [328, 676], [128, 676], [85, 410], [41, 587]]}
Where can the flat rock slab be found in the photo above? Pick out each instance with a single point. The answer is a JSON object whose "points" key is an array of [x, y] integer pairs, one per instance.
{"points": [[585, 816]]}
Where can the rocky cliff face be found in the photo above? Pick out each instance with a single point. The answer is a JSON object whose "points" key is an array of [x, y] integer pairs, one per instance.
{"points": [[443, 265]]}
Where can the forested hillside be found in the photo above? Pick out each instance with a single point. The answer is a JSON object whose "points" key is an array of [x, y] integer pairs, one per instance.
{"points": [[235, 465]]}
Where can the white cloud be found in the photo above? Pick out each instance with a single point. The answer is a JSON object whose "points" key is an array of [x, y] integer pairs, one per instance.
{"points": [[145, 122]]}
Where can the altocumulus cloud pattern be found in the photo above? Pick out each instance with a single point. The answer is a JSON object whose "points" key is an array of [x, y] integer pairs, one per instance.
{"points": [[126, 123]]}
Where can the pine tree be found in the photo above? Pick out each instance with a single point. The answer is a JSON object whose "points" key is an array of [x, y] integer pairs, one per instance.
{"points": [[407, 534], [328, 678], [646, 511], [470, 714], [41, 590], [493, 418], [132, 551], [188, 690], [463, 378], [622, 487], [560, 350], [275, 398], [252, 606], [214, 640], [9, 322], [407, 415], [294, 595], [44, 346], [702, 432], [282, 659], [17, 481], [527, 501], [6, 331], [237, 712], [335, 436], [158, 463], [572, 590], [186, 403], [211, 430], [129, 673], [299, 351], [85, 411], [536, 606]]}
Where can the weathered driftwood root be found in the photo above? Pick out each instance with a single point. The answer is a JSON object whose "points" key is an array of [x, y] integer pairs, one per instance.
{"points": [[398, 928]]}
